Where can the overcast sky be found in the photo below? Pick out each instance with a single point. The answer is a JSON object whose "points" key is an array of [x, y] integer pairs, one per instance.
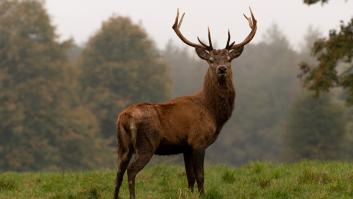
{"points": [[80, 19]]}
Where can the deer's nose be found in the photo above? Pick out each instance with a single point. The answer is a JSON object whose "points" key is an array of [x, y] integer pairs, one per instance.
{"points": [[221, 69]]}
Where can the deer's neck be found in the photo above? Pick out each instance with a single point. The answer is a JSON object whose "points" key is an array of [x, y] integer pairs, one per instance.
{"points": [[219, 98]]}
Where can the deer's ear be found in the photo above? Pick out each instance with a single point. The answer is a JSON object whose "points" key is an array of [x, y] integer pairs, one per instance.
{"points": [[236, 52], [202, 53]]}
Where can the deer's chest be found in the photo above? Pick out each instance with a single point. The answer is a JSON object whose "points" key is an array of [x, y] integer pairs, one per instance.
{"points": [[201, 136]]}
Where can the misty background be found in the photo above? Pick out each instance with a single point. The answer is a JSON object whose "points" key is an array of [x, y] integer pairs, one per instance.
{"points": [[67, 68], [79, 20]]}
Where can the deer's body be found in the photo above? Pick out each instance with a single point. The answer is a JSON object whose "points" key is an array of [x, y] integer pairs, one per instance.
{"points": [[186, 124], [182, 124]]}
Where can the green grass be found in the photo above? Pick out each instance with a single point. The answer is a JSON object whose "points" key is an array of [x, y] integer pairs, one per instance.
{"points": [[308, 179]]}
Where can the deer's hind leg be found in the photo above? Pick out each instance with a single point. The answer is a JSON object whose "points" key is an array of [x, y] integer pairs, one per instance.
{"points": [[134, 168], [189, 170], [123, 161], [124, 156], [144, 147]]}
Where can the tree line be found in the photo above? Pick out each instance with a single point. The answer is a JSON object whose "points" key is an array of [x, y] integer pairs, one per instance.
{"points": [[59, 100]]}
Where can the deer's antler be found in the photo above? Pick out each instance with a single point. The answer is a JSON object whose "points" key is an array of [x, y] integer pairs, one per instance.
{"points": [[176, 28], [253, 25]]}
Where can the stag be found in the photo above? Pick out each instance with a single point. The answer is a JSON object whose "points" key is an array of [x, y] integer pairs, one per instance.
{"points": [[187, 124]]}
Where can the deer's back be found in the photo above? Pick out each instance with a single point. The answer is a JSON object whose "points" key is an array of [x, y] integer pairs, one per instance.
{"points": [[173, 127]]}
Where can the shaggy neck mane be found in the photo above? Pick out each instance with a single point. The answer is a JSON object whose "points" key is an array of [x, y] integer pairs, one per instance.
{"points": [[219, 97]]}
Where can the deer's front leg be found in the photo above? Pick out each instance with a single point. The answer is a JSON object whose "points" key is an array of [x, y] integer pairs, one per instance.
{"points": [[198, 157]]}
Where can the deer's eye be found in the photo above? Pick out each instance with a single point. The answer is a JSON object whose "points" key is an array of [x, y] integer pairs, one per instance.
{"points": [[211, 59]]}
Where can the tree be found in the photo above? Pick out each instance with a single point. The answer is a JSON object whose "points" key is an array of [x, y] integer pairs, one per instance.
{"points": [[330, 53], [42, 124], [186, 72], [120, 66], [310, 37], [316, 129]]}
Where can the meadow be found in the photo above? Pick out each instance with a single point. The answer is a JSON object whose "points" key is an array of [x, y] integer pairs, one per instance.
{"points": [[306, 179]]}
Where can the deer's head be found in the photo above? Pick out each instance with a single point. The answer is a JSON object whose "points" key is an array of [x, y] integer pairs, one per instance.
{"points": [[219, 60]]}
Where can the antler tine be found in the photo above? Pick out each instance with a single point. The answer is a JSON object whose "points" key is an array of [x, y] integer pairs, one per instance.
{"points": [[228, 40], [181, 20], [178, 23], [203, 44], [231, 45], [209, 39], [252, 15], [253, 25], [176, 28], [250, 19], [175, 25], [208, 47]]}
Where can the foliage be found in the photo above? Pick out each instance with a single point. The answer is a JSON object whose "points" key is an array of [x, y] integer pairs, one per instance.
{"points": [[331, 53], [42, 125], [120, 66], [307, 179], [186, 72], [316, 129]]}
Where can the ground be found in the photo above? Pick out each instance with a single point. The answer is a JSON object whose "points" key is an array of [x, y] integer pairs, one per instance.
{"points": [[307, 179]]}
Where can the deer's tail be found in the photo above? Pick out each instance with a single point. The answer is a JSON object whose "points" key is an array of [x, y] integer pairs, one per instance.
{"points": [[126, 134]]}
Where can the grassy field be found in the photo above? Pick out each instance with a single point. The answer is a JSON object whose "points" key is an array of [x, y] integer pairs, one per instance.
{"points": [[308, 179]]}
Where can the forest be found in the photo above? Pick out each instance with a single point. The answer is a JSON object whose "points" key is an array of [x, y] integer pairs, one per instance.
{"points": [[59, 100]]}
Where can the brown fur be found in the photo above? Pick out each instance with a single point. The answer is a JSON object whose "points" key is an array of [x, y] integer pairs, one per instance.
{"points": [[185, 125]]}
